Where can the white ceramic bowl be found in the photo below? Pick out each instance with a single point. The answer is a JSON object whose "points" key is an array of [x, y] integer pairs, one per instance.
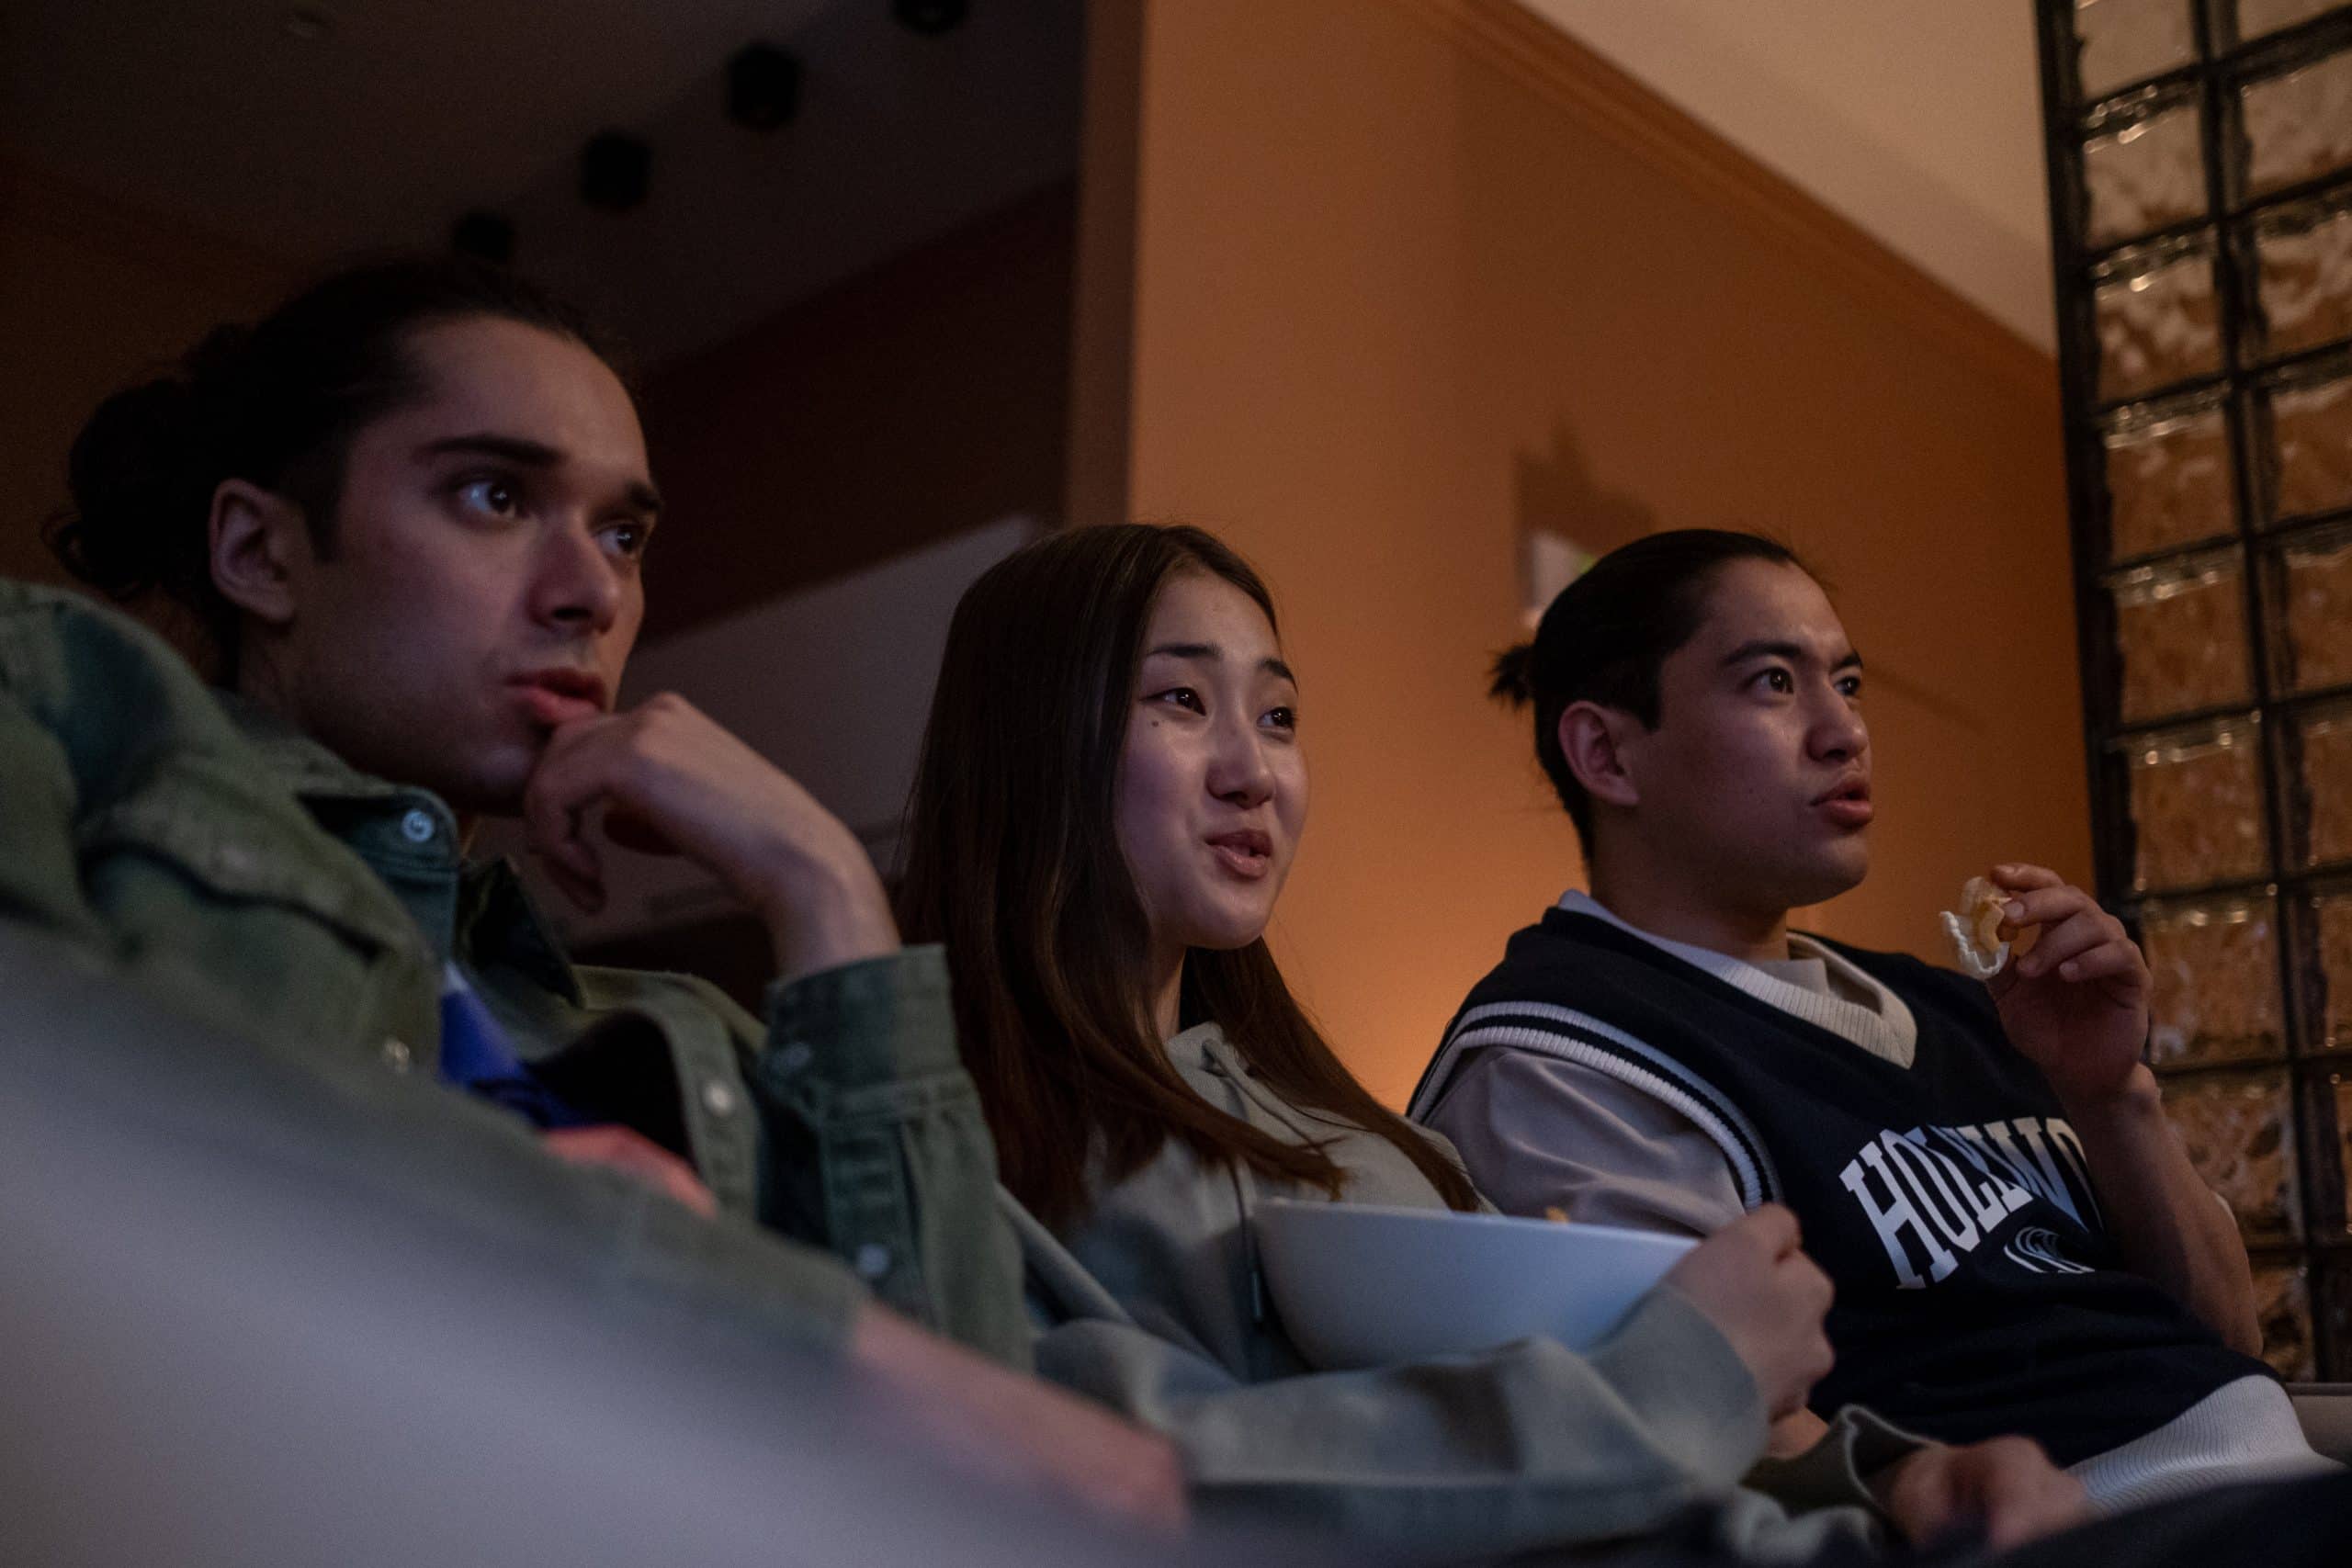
{"points": [[1361, 1285]]}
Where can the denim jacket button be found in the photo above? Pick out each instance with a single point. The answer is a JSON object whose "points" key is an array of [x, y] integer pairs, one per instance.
{"points": [[719, 1098], [417, 827], [397, 1055]]}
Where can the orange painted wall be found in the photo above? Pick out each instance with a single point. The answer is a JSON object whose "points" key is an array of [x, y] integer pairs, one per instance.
{"points": [[1411, 273]]}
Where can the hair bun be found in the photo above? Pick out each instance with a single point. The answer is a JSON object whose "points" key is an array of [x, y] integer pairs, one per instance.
{"points": [[1514, 675], [217, 357], [130, 473]]}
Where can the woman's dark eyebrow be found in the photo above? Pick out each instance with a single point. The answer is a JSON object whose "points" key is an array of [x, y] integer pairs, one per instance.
{"points": [[1212, 652], [523, 452]]}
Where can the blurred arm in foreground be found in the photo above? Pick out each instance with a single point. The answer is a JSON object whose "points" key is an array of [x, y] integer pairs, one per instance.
{"points": [[293, 1294]]}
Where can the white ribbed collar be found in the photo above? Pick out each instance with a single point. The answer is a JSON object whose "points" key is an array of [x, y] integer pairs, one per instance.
{"points": [[1888, 1031]]}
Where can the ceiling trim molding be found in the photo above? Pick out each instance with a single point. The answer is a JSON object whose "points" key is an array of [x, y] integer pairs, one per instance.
{"points": [[1613, 103]]}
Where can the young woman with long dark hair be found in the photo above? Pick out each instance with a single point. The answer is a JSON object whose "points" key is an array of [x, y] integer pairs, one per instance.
{"points": [[1111, 791], [1036, 762]]}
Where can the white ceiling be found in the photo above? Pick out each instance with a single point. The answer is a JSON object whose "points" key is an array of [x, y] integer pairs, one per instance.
{"points": [[1920, 120], [410, 112]]}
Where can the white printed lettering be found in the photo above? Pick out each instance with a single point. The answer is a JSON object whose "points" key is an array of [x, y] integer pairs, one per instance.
{"points": [[1895, 1217], [1998, 1197], [2033, 1163]]}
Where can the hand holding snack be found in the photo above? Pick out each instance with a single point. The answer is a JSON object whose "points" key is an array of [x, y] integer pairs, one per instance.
{"points": [[2075, 998], [1976, 929]]}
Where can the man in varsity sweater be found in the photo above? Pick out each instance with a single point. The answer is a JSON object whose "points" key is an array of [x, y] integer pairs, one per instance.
{"points": [[2017, 1237]]}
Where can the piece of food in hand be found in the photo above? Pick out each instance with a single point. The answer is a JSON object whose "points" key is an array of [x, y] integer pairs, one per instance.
{"points": [[1976, 929]]}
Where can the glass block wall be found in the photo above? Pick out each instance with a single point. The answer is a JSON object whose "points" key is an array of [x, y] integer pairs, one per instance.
{"points": [[2200, 179]]}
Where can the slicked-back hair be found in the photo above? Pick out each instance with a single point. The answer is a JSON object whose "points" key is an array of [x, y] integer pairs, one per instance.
{"points": [[277, 404], [1608, 634]]}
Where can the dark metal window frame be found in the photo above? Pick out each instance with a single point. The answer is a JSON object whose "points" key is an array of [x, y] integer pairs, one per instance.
{"points": [[2221, 67]]}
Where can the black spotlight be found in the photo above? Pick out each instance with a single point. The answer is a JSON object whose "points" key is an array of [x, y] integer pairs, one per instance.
{"points": [[930, 18], [763, 86], [485, 236], [614, 171]]}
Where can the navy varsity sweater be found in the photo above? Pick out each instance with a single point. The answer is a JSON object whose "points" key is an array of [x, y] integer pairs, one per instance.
{"points": [[1978, 1290]]}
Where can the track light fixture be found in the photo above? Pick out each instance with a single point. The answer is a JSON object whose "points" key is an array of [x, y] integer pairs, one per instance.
{"points": [[615, 170], [763, 86], [485, 236], [930, 18]]}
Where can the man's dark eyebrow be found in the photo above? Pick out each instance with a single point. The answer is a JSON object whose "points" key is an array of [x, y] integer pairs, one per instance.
{"points": [[1765, 649], [514, 448], [526, 453], [1211, 650]]}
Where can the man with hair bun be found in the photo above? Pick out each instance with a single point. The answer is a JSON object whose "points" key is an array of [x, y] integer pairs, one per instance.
{"points": [[2017, 1237], [408, 511]]}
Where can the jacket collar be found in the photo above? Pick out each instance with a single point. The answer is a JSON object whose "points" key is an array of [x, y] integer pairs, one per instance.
{"points": [[304, 765], [1887, 1031], [479, 911]]}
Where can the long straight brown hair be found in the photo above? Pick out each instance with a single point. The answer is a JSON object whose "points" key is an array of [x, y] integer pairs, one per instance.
{"points": [[1013, 863]]}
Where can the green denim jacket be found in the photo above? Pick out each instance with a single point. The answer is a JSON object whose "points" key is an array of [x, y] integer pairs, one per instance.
{"points": [[251, 876]]}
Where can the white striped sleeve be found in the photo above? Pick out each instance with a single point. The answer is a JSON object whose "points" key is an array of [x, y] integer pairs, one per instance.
{"points": [[1538, 1133], [1623, 1125]]}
